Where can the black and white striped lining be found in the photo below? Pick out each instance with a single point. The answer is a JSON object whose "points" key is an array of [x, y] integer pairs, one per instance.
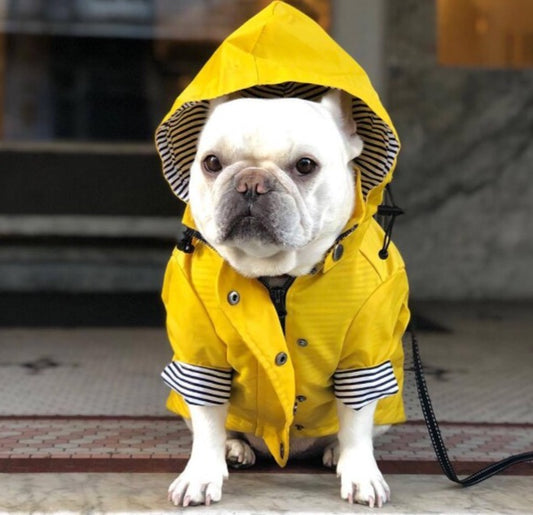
{"points": [[199, 386], [176, 139], [380, 147], [305, 91], [176, 143], [358, 387]]}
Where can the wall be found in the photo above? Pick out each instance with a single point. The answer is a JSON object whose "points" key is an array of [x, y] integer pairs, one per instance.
{"points": [[359, 27], [465, 173]]}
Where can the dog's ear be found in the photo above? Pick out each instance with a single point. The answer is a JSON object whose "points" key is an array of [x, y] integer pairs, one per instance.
{"points": [[339, 104], [215, 102]]}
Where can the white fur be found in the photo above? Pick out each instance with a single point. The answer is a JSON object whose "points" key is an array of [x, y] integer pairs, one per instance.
{"points": [[201, 481], [352, 453], [269, 135], [361, 480]]}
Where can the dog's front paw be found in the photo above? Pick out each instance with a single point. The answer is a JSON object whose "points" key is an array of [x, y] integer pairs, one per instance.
{"points": [[198, 484], [361, 480]]}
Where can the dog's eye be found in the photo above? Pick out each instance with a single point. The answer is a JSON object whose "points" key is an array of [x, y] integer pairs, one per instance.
{"points": [[306, 165], [212, 164]]}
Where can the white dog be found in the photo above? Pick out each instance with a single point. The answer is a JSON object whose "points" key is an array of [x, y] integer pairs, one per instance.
{"points": [[271, 189]]}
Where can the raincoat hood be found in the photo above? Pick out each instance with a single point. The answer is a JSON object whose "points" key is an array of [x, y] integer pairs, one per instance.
{"points": [[281, 53]]}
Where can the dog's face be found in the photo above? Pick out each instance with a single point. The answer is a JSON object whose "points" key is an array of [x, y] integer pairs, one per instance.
{"points": [[272, 185]]}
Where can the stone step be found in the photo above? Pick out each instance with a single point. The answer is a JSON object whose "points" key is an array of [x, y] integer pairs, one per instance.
{"points": [[84, 217], [83, 179], [60, 253], [85, 309]]}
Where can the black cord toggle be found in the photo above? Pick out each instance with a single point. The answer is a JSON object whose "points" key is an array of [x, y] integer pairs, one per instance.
{"points": [[185, 244], [390, 211]]}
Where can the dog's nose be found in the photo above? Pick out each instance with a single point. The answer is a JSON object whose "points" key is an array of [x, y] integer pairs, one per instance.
{"points": [[252, 183]]}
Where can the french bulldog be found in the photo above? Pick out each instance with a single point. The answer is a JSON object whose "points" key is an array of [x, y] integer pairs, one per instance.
{"points": [[271, 188]]}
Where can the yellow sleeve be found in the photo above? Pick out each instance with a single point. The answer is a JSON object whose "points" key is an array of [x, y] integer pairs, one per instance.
{"points": [[199, 371], [190, 330], [371, 364]]}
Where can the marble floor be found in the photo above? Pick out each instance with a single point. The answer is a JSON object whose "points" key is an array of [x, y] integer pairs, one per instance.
{"points": [[83, 428], [247, 493]]}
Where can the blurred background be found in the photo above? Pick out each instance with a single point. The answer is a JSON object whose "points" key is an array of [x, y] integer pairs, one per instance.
{"points": [[87, 221]]}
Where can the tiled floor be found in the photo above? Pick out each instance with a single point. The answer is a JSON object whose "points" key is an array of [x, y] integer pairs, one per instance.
{"points": [[125, 444], [480, 371], [82, 371], [90, 400]]}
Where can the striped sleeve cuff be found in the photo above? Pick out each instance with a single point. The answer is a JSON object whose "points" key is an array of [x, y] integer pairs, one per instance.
{"points": [[199, 386], [358, 387]]}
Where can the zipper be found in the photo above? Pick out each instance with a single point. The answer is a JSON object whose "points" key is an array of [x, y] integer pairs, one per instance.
{"points": [[278, 296], [278, 293]]}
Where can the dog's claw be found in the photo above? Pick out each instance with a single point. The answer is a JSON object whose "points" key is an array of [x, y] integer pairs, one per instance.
{"points": [[362, 482], [192, 488]]}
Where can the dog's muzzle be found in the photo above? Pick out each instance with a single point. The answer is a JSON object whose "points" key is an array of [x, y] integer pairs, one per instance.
{"points": [[250, 208]]}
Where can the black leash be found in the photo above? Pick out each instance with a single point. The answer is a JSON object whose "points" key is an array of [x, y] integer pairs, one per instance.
{"points": [[436, 437], [387, 213]]}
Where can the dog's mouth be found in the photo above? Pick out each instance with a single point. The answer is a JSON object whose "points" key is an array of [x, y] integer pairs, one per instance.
{"points": [[270, 220], [247, 226]]}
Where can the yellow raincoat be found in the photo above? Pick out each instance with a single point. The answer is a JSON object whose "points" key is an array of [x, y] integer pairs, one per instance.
{"points": [[345, 320]]}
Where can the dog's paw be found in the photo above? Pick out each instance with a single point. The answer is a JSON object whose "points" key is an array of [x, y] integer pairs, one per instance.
{"points": [[330, 457], [361, 480], [198, 485], [239, 454]]}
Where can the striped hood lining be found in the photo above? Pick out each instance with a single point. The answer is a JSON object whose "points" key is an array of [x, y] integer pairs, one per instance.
{"points": [[176, 139]]}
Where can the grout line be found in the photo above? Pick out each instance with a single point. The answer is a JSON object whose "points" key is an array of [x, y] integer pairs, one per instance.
{"points": [[170, 418], [104, 418], [176, 465]]}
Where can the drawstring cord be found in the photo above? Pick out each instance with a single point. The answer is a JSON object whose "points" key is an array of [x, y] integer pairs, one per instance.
{"points": [[388, 210]]}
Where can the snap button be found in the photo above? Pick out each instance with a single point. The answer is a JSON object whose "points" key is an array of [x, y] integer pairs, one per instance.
{"points": [[299, 427], [281, 359], [338, 251], [302, 342], [234, 297], [301, 398]]}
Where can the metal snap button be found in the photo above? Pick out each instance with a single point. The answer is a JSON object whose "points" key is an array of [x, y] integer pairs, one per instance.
{"points": [[302, 342], [234, 297], [281, 359], [338, 251], [301, 398]]}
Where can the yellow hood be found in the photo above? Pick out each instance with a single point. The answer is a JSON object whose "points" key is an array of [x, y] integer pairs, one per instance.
{"points": [[281, 52]]}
